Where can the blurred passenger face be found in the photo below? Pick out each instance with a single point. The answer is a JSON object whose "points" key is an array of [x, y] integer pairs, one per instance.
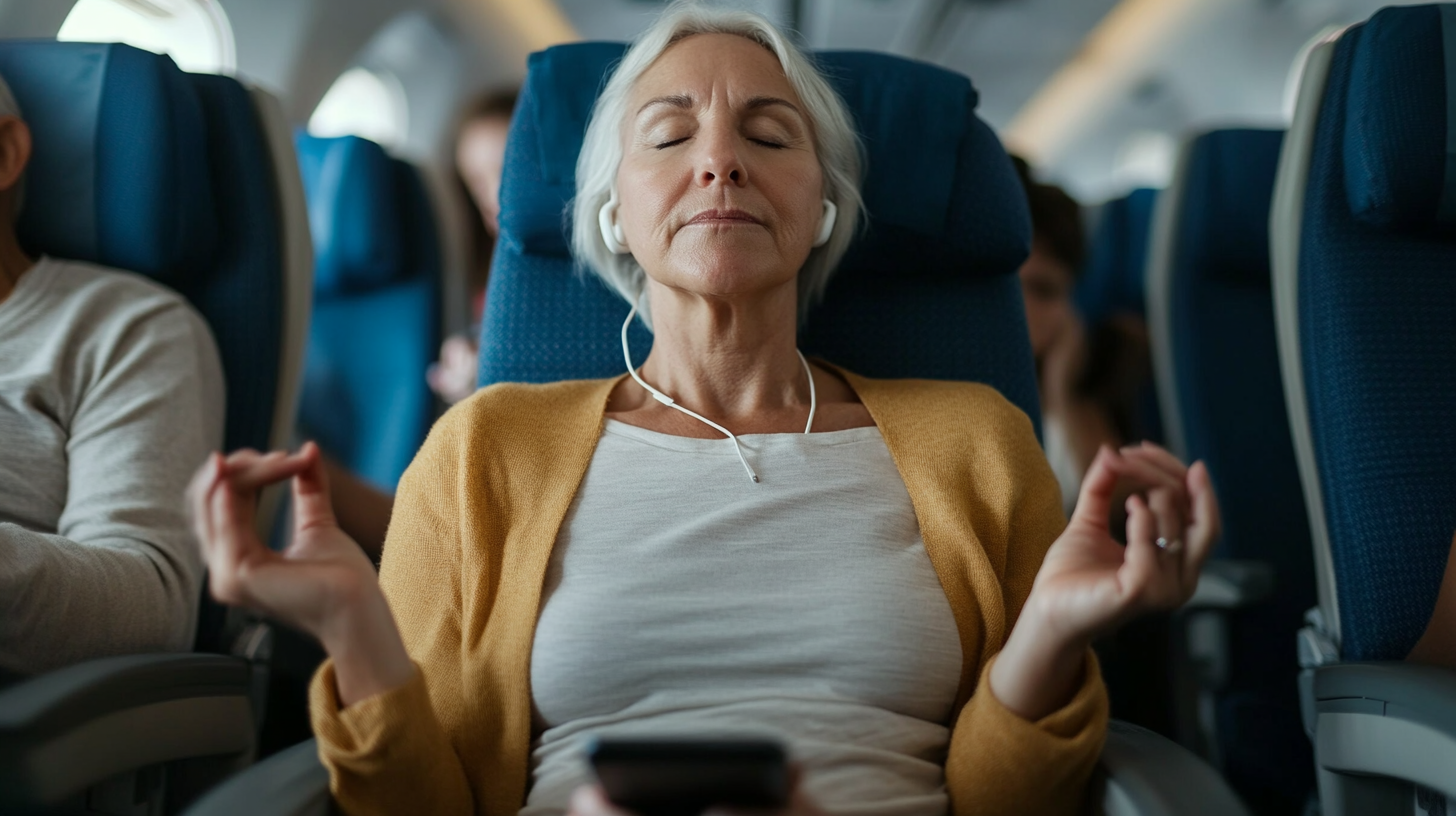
{"points": [[14, 155], [720, 189], [480, 156], [1046, 287]]}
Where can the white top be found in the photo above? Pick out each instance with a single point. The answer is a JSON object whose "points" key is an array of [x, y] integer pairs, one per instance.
{"points": [[111, 396], [683, 600]]}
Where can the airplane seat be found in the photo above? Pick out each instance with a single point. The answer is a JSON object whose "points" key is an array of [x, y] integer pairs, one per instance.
{"points": [[925, 292], [376, 322], [139, 166], [1112, 285], [1364, 244], [1211, 319]]}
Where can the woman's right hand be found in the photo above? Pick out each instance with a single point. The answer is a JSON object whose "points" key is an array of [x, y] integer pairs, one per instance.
{"points": [[323, 583]]}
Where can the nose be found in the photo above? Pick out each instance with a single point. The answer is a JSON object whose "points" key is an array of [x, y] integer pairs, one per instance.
{"points": [[719, 160]]}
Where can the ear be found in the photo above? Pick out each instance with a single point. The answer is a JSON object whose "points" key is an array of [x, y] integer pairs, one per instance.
{"points": [[612, 233], [14, 151], [826, 224]]}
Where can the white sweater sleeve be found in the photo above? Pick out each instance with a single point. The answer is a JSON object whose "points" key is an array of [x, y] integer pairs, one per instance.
{"points": [[122, 573]]}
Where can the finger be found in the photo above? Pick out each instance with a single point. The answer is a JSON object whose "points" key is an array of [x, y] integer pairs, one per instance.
{"points": [[1206, 521], [1163, 459], [1171, 523], [198, 492], [1095, 498], [1141, 559], [311, 504], [257, 472], [234, 543], [1133, 464], [1142, 475]]}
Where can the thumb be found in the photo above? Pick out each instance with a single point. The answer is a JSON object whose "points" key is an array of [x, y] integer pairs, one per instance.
{"points": [[312, 506]]}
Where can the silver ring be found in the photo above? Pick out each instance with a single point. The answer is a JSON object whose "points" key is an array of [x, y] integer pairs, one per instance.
{"points": [[1169, 546]]}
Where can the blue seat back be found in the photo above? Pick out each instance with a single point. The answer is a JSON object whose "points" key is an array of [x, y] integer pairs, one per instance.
{"points": [[1227, 396], [1112, 279], [376, 321], [142, 167], [928, 290], [1211, 315], [1113, 282], [1376, 338]]}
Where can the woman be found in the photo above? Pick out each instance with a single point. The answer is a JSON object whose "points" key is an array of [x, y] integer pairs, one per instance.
{"points": [[585, 558]]}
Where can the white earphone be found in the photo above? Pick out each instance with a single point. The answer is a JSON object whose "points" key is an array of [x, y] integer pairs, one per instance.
{"points": [[612, 233], [826, 224], [616, 238]]}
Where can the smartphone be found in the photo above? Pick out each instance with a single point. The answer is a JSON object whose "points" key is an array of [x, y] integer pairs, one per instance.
{"points": [[684, 777]]}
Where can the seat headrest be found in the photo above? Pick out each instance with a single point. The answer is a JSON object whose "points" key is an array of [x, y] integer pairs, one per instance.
{"points": [[1399, 141], [353, 212], [924, 147], [1113, 279], [119, 172], [1228, 186]]}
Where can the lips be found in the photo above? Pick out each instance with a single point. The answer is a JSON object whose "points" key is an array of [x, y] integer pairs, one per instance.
{"points": [[728, 216]]}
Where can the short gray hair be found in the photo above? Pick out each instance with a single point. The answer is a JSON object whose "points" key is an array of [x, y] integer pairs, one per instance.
{"points": [[835, 142]]}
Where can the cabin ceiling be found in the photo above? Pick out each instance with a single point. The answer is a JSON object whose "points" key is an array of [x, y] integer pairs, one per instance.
{"points": [[1009, 48]]}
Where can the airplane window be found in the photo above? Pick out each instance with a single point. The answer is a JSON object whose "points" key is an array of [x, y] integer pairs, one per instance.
{"points": [[194, 33], [364, 103]]}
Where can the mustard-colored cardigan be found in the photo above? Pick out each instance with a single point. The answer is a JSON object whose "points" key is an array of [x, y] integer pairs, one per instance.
{"points": [[478, 512]]}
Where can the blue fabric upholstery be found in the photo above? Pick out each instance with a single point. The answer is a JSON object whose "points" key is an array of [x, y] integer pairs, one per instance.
{"points": [[1378, 350], [926, 291], [376, 323], [1112, 280], [242, 295], [140, 166], [1395, 128], [357, 242], [1113, 283], [116, 174], [1230, 398]]}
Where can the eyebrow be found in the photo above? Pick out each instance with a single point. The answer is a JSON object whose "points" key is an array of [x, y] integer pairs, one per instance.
{"points": [[676, 100], [685, 102], [769, 101]]}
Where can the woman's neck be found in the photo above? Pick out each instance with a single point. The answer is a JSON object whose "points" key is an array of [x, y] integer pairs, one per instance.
{"points": [[13, 263], [730, 359]]}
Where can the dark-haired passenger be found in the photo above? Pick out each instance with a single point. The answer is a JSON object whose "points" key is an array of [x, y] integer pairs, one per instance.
{"points": [[111, 393], [1085, 386], [480, 155]]}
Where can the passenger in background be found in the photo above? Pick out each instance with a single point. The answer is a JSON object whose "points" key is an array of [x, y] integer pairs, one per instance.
{"points": [[480, 155], [1074, 423], [363, 510], [1437, 646], [111, 393]]}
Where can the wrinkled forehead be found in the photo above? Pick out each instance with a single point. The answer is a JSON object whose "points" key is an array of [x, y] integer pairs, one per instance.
{"points": [[696, 68]]}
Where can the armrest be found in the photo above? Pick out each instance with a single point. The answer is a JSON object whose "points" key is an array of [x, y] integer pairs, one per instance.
{"points": [[292, 782], [1144, 774], [1390, 720], [69, 729], [1227, 584]]}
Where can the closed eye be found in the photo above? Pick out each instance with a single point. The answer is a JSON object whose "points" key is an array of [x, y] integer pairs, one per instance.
{"points": [[662, 145], [768, 143]]}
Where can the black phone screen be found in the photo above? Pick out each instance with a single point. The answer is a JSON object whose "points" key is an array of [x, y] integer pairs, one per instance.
{"points": [[684, 777]]}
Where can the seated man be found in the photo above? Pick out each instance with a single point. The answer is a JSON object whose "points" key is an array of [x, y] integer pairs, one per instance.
{"points": [[111, 393]]}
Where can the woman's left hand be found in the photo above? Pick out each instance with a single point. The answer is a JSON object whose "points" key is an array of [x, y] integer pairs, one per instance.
{"points": [[1089, 583]]}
